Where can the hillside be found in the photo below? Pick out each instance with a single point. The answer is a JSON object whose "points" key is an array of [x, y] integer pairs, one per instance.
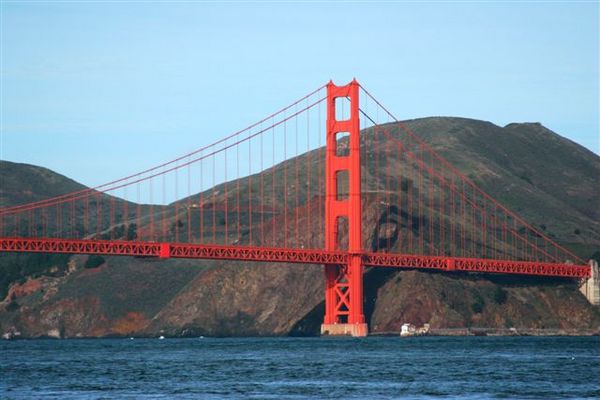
{"points": [[525, 164], [24, 183], [549, 180]]}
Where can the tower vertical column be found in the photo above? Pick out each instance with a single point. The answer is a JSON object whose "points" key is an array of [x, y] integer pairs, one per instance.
{"points": [[343, 283]]}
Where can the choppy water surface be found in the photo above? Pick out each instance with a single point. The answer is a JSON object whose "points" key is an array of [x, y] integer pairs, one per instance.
{"points": [[295, 368]]}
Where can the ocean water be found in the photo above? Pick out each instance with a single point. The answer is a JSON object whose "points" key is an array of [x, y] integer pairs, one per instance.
{"points": [[302, 368]]}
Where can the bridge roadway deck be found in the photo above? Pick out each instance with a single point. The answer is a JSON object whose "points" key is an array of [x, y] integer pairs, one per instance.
{"points": [[304, 256]]}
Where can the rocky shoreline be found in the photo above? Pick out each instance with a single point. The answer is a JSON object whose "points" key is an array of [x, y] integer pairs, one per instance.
{"points": [[501, 332], [432, 332]]}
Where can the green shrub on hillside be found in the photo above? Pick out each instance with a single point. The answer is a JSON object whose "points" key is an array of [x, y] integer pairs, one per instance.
{"points": [[500, 295], [94, 261], [478, 303]]}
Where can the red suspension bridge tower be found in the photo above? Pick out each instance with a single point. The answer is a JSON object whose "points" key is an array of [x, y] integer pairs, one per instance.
{"points": [[343, 283]]}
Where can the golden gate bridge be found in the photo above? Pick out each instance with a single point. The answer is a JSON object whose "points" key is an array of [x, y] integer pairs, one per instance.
{"points": [[272, 193]]}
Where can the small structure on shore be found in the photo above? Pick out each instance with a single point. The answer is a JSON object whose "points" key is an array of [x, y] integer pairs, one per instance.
{"points": [[411, 330]]}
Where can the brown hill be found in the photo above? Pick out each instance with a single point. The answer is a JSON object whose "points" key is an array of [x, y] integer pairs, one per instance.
{"points": [[549, 180]]}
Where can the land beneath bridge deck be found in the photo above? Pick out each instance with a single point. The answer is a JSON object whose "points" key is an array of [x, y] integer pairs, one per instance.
{"points": [[153, 299]]}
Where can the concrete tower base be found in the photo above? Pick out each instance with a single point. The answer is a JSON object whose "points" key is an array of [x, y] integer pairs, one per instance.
{"points": [[356, 330], [591, 286]]}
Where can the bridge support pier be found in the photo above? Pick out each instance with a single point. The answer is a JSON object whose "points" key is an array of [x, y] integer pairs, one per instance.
{"points": [[356, 330], [343, 283], [591, 286], [343, 300]]}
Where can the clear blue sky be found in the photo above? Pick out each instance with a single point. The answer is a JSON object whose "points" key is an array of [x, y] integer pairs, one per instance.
{"points": [[98, 90]]}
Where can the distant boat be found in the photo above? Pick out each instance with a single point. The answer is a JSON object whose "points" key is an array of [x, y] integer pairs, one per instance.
{"points": [[161, 337]]}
